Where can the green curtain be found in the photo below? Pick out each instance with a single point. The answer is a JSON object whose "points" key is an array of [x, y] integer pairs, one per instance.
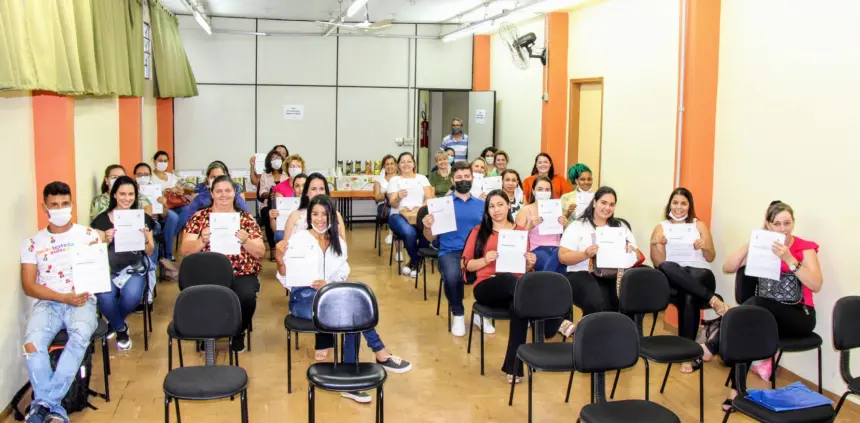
{"points": [[173, 75], [17, 69]]}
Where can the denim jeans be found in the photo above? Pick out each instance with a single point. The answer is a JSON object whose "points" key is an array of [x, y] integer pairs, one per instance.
{"points": [[547, 260], [46, 320], [119, 303], [452, 275], [171, 229], [412, 240], [279, 236]]}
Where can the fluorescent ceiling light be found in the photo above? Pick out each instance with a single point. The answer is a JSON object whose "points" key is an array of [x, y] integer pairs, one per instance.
{"points": [[355, 7], [467, 31], [204, 23], [515, 15]]}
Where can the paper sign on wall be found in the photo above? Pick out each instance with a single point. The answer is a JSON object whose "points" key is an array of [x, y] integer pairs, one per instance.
{"points": [[480, 116], [294, 112]]}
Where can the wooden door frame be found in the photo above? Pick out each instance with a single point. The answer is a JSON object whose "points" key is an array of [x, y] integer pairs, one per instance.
{"points": [[573, 120]]}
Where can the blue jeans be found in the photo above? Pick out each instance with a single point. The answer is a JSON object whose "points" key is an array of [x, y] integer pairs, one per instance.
{"points": [[171, 229], [119, 303], [412, 240], [46, 320], [547, 260], [452, 275], [279, 236]]}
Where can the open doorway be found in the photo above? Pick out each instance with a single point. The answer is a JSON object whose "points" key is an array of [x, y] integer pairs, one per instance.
{"points": [[585, 139], [476, 109]]}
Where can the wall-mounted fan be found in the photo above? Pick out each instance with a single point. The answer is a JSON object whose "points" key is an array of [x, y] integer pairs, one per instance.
{"points": [[365, 26], [521, 47]]}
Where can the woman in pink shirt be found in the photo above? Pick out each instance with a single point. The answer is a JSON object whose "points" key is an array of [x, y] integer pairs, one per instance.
{"points": [[545, 247]]}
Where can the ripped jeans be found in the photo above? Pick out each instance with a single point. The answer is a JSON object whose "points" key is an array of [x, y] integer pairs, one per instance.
{"points": [[46, 320]]}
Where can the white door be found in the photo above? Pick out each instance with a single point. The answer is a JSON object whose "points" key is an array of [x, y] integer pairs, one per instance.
{"points": [[482, 122]]}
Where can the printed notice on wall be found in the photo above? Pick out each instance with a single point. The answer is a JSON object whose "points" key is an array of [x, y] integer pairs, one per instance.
{"points": [[481, 116], [294, 112]]}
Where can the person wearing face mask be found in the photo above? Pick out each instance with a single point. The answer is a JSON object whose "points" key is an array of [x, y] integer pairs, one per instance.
{"points": [[456, 140], [143, 177], [246, 264], [380, 189], [203, 192], [127, 268], [273, 176], [500, 163], [255, 178], [101, 202], [545, 247], [489, 156], [169, 183], [47, 278], [544, 167], [479, 167], [580, 174], [295, 165], [314, 185], [467, 211], [298, 189], [440, 179]]}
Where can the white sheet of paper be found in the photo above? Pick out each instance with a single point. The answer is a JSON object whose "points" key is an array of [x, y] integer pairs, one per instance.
{"points": [[91, 269], [285, 206], [294, 112], [680, 238], [415, 197], [302, 260], [195, 173], [612, 252], [260, 163], [477, 184], [153, 193], [240, 173], [128, 236], [481, 116], [583, 199], [222, 235], [512, 250], [761, 261], [492, 183], [444, 219], [550, 211]]}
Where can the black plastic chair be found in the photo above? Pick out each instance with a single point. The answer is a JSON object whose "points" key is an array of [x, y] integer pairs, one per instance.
{"points": [[345, 308], [294, 324], [645, 290], [485, 312], [540, 296], [607, 341], [846, 336], [396, 242], [424, 253], [206, 313], [101, 332], [381, 222], [749, 333]]}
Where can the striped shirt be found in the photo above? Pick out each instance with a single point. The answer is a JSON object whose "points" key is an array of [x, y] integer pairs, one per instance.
{"points": [[461, 148]]}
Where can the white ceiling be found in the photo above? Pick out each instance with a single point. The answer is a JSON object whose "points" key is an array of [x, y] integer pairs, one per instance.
{"points": [[424, 11]]}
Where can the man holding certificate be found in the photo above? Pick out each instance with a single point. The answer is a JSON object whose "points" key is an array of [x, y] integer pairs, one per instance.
{"points": [[62, 301], [225, 228]]}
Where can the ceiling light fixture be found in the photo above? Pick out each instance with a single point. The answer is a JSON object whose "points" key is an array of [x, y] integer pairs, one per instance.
{"points": [[517, 14], [199, 15], [355, 7]]}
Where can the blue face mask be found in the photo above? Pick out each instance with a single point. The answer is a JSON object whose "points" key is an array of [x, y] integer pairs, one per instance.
{"points": [[450, 159]]}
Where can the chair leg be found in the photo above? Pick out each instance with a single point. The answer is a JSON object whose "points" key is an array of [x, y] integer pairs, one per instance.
{"points": [[702, 394], [417, 271], [439, 297], [469, 343], [728, 378], [482, 342], [106, 368], [289, 363], [514, 381], [665, 377], [178, 416], [614, 384], [105, 354], [569, 384], [841, 401], [726, 417], [530, 394], [647, 380], [145, 321], [166, 409], [179, 346], [449, 318], [654, 322], [425, 280], [311, 418], [381, 404], [169, 353], [820, 390]]}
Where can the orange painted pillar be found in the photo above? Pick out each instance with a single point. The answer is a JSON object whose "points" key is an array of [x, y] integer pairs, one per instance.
{"points": [[130, 132], [54, 145], [481, 63], [164, 121], [554, 119]]}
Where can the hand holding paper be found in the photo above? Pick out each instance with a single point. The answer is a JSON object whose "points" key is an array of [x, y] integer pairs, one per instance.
{"points": [[303, 261], [761, 261], [153, 193], [679, 241], [259, 164], [91, 269], [612, 251], [492, 183], [285, 206], [550, 211], [222, 234], [512, 251], [128, 235]]}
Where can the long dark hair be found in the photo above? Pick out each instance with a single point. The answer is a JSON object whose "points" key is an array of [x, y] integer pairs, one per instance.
{"points": [[269, 158], [519, 180], [313, 176], [105, 186], [684, 192], [331, 217], [224, 178], [588, 215], [122, 180], [534, 186], [551, 172], [486, 227]]}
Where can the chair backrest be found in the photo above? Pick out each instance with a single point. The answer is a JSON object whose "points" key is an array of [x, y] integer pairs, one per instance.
{"points": [[207, 312], [846, 323], [643, 290], [605, 341], [345, 307], [748, 333], [205, 268], [542, 295]]}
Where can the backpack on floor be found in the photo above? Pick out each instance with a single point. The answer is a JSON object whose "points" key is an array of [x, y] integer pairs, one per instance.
{"points": [[76, 399]]}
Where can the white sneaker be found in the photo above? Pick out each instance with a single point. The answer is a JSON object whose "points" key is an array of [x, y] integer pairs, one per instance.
{"points": [[360, 397], [388, 239], [408, 271], [458, 326], [488, 325]]}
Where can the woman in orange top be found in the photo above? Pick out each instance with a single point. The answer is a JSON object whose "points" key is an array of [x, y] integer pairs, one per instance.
{"points": [[544, 167]]}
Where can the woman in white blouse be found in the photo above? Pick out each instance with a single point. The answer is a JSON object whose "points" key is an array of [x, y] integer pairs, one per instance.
{"points": [[408, 191], [380, 187], [274, 175], [168, 182]]}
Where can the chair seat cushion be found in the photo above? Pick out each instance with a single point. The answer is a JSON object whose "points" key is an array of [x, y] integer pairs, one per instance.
{"points": [[803, 343], [100, 332], [823, 413], [428, 252], [548, 356], [854, 386], [492, 313], [627, 411], [295, 324], [346, 377], [668, 349], [205, 382]]}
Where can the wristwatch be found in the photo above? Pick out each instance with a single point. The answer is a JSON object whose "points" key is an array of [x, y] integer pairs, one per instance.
{"points": [[795, 267]]}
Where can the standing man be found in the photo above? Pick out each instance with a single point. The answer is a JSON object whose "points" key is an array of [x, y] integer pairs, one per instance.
{"points": [[457, 140]]}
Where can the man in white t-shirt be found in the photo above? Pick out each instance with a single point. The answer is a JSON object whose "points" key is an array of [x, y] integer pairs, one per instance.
{"points": [[46, 276]]}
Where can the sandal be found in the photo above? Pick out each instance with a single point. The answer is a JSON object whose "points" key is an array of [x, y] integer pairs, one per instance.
{"points": [[727, 406], [719, 310], [695, 365], [321, 355], [517, 380], [567, 328]]}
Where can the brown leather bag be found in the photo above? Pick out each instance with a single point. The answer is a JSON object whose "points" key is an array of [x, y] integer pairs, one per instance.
{"points": [[411, 215], [175, 200]]}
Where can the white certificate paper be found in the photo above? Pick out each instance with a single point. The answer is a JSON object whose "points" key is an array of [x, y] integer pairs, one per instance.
{"points": [[414, 197], [285, 206], [222, 233], [761, 261], [444, 220], [477, 184], [91, 269], [583, 199], [128, 236], [680, 238], [550, 211], [302, 260], [612, 252], [512, 251], [260, 163], [153, 193], [492, 183]]}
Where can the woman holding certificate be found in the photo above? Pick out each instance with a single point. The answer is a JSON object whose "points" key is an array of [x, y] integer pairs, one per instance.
{"points": [[512, 185], [223, 227], [128, 232], [297, 189], [544, 167], [407, 192], [543, 243], [575, 202]]}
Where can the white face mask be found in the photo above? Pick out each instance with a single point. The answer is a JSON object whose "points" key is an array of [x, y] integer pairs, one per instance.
{"points": [[111, 181], [678, 219], [209, 183], [322, 231], [294, 171], [489, 160], [277, 163], [60, 217], [143, 180], [543, 195], [161, 166]]}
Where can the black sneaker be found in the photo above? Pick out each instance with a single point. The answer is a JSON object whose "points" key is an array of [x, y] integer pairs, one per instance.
{"points": [[237, 343], [123, 339], [56, 418], [37, 413], [395, 364]]}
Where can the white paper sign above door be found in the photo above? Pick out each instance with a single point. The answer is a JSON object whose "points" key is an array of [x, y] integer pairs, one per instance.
{"points": [[294, 112]]}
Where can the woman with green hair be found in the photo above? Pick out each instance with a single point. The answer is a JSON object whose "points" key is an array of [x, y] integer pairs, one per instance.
{"points": [[580, 175]]}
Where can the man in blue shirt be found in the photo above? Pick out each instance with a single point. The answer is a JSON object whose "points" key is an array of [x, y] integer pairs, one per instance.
{"points": [[457, 140], [468, 211]]}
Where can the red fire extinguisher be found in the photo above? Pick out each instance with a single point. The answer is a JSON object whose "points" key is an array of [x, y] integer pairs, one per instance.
{"points": [[425, 131]]}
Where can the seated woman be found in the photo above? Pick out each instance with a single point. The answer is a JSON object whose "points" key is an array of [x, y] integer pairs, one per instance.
{"points": [[408, 184], [295, 165], [545, 247], [101, 202], [439, 178], [500, 161], [489, 156], [273, 175], [128, 269], [580, 174], [380, 189], [479, 167], [594, 289], [497, 289], [143, 176], [255, 177], [168, 182], [297, 190], [451, 153], [246, 264], [690, 277], [799, 265], [512, 185], [544, 167], [203, 195]]}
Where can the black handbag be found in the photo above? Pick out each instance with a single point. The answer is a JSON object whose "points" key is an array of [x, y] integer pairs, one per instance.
{"points": [[787, 290]]}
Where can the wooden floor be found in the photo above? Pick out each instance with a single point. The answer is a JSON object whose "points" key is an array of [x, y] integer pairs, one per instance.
{"points": [[445, 384]]}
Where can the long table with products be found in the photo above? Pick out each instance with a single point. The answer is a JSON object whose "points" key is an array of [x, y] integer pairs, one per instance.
{"points": [[344, 201]]}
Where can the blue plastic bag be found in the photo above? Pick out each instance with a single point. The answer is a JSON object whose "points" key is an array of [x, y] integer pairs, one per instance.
{"points": [[792, 397]]}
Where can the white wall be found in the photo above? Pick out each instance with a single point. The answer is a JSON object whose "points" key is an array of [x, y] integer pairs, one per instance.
{"points": [[786, 130], [96, 147]]}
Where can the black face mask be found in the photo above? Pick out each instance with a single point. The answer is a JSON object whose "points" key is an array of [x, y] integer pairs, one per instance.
{"points": [[463, 187]]}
